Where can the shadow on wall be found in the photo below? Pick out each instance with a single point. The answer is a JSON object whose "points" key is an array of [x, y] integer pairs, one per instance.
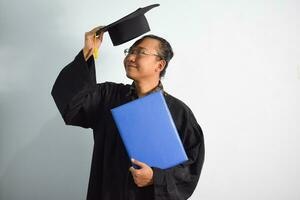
{"points": [[55, 165]]}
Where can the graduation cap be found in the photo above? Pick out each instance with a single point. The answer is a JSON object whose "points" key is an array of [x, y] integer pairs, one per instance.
{"points": [[128, 27]]}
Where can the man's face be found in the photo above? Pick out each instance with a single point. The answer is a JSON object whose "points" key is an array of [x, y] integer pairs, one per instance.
{"points": [[142, 62]]}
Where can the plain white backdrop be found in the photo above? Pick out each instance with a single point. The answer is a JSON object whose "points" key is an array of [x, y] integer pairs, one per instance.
{"points": [[236, 65]]}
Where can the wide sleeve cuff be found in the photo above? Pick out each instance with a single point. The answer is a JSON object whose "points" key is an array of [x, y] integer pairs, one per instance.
{"points": [[72, 79]]}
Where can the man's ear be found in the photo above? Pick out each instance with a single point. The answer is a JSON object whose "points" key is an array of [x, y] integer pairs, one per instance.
{"points": [[161, 65]]}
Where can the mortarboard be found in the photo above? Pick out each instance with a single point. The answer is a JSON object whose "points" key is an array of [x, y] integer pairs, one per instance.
{"points": [[128, 27]]}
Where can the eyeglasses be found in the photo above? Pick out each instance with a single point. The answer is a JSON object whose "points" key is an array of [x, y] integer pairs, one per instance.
{"points": [[139, 52]]}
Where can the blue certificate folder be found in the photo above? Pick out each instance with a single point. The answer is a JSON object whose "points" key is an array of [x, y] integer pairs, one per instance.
{"points": [[148, 131]]}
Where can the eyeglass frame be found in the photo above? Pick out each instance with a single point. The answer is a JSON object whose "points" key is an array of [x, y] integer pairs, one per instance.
{"points": [[141, 52]]}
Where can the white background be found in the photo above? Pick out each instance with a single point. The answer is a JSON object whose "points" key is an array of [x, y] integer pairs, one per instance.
{"points": [[236, 65]]}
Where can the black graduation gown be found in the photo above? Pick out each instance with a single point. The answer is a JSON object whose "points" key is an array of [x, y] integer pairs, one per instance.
{"points": [[82, 102]]}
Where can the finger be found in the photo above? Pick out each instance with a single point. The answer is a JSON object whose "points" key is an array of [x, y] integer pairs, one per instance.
{"points": [[135, 172], [99, 37], [98, 30], [138, 163], [132, 170], [89, 37], [99, 27], [94, 30]]}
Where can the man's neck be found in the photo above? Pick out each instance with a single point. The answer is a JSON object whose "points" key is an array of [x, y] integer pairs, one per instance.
{"points": [[144, 87]]}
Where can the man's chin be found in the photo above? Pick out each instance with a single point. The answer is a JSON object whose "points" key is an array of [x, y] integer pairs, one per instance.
{"points": [[130, 76]]}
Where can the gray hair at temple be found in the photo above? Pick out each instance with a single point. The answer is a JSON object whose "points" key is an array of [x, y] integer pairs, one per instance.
{"points": [[165, 50]]}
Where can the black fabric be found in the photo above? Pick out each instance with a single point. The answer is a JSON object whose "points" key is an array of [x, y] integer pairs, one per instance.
{"points": [[83, 102], [128, 30]]}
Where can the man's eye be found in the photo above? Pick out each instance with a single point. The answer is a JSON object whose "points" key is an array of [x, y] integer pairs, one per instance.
{"points": [[142, 52], [136, 51]]}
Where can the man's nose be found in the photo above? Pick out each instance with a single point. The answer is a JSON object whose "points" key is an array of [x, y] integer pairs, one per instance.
{"points": [[131, 57]]}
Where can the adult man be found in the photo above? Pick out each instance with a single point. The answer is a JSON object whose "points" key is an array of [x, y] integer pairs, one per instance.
{"points": [[83, 102]]}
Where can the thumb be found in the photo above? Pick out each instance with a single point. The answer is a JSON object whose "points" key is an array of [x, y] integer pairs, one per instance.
{"points": [[132, 170], [138, 163]]}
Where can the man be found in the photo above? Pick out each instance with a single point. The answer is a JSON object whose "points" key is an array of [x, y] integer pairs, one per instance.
{"points": [[83, 102]]}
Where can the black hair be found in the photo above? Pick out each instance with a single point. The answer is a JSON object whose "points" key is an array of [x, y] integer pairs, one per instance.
{"points": [[165, 50]]}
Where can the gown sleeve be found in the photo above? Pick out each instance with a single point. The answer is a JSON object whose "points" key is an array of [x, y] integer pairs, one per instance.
{"points": [[76, 93], [179, 182]]}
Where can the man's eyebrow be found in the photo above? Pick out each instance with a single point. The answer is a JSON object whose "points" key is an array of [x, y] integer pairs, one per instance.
{"points": [[137, 47]]}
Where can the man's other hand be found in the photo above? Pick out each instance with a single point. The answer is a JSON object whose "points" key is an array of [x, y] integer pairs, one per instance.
{"points": [[143, 176]]}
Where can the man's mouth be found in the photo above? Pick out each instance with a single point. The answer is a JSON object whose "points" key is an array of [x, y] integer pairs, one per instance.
{"points": [[131, 65]]}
